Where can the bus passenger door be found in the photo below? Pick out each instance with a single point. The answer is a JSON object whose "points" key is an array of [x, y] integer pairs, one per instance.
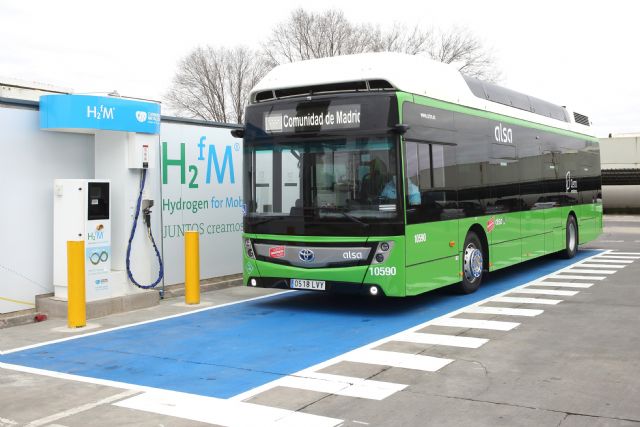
{"points": [[431, 214]]}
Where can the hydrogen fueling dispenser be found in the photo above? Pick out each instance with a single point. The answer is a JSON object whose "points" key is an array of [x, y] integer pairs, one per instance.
{"points": [[107, 211], [81, 211]]}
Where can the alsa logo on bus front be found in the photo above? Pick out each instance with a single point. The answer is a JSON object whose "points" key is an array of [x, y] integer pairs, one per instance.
{"points": [[352, 255], [503, 134]]}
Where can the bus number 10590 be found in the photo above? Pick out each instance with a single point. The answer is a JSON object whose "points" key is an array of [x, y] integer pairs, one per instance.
{"points": [[383, 271]]}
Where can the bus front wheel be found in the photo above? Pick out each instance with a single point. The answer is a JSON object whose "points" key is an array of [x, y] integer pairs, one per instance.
{"points": [[571, 245], [472, 264]]}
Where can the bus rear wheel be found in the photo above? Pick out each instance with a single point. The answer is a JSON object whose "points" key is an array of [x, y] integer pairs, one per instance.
{"points": [[472, 264], [571, 236]]}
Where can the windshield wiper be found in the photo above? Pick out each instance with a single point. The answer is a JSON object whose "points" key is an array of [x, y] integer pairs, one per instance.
{"points": [[345, 214]]}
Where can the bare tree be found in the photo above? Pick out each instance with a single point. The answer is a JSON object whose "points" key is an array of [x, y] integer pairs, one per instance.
{"points": [[463, 49], [307, 35], [214, 83], [399, 38]]}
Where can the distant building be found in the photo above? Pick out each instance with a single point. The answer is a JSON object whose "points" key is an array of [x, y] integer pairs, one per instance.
{"points": [[25, 90], [620, 159]]}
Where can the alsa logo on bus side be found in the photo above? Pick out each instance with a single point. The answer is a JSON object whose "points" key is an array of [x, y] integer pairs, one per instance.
{"points": [[503, 134]]}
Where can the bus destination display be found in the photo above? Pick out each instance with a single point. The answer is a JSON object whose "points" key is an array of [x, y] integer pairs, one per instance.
{"points": [[313, 118]]}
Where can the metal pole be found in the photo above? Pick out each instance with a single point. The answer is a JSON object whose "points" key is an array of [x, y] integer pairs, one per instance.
{"points": [[76, 304], [191, 267]]}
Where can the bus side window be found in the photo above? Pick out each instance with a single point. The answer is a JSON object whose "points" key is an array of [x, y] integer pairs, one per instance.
{"points": [[412, 175], [427, 195]]}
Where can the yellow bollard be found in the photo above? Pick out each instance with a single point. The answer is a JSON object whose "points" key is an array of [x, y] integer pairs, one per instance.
{"points": [[191, 267], [76, 301]]}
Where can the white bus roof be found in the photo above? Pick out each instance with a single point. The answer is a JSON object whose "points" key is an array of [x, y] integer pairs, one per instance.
{"points": [[413, 74]]}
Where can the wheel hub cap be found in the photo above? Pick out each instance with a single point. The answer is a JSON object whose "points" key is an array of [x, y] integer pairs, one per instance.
{"points": [[472, 263]]}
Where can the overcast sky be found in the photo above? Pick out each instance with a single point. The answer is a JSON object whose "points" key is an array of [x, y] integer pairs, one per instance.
{"points": [[583, 54]]}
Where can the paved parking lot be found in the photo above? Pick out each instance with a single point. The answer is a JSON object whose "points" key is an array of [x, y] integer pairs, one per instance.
{"points": [[547, 343]]}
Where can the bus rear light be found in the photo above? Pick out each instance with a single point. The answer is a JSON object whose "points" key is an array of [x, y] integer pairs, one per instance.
{"points": [[379, 257], [373, 290], [253, 282]]}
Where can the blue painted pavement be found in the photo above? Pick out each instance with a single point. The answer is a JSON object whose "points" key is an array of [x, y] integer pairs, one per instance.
{"points": [[229, 350]]}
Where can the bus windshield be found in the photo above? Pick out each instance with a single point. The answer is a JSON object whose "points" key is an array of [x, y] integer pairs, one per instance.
{"points": [[317, 186]]}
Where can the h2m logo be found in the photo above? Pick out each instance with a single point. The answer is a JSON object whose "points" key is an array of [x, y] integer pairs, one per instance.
{"points": [[101, 112], [207, 153]]}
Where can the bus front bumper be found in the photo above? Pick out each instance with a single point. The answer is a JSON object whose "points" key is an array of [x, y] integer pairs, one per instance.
{"points": [[335, 287]]}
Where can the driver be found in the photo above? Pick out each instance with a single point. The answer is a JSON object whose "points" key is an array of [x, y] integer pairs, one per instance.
{"points": [[389, 191]]}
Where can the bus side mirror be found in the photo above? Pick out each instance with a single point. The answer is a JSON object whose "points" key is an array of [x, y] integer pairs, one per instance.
{"points": [[400, 128], [237, 133]]}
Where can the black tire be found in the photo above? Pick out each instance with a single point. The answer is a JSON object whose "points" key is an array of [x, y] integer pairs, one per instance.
{"points": [[472, 264], [571, 238]]}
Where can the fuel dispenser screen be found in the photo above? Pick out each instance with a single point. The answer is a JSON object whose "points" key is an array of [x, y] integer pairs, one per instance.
{"points": [[98, 201]]}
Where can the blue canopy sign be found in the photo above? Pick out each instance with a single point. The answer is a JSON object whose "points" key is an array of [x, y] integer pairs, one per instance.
{"points": [[85, 112]]}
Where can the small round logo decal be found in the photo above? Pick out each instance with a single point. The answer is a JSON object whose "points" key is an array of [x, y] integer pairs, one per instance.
{"points": [[306, 255]]}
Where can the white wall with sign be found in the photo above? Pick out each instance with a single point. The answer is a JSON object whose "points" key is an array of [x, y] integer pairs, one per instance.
{"points": [[201, 168], [209, 199], [31, 160]]}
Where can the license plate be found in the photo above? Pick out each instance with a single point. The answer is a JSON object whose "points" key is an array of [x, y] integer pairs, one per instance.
{"points": [[316, 285]]}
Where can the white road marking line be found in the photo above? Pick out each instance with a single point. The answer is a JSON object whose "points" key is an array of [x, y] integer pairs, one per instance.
{"points": [[613, 256], [7, 422], [617, 261], [475, 323], [257, 390], [145, 322], [342, 385], [587, 271], [574, 276], [398, 360], [602, 265], [563, 284], [518, 300], [498, 297], [441, 339], [611, 241], [545, 292], [221, 411], [527, 312], [625, 253], [82, 408]]}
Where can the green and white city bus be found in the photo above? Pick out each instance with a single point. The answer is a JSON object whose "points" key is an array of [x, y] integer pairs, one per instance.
{"points": [[391, 174]]}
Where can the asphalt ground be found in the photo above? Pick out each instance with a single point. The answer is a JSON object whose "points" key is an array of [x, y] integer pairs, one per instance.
{"points": [[304, 359]]}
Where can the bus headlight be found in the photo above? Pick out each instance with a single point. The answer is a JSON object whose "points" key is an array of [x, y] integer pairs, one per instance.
{"points": [[248, 248], [382, 252]]}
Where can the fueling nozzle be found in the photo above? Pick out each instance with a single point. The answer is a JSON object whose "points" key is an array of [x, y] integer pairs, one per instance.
{"points": [[147, 204]]}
